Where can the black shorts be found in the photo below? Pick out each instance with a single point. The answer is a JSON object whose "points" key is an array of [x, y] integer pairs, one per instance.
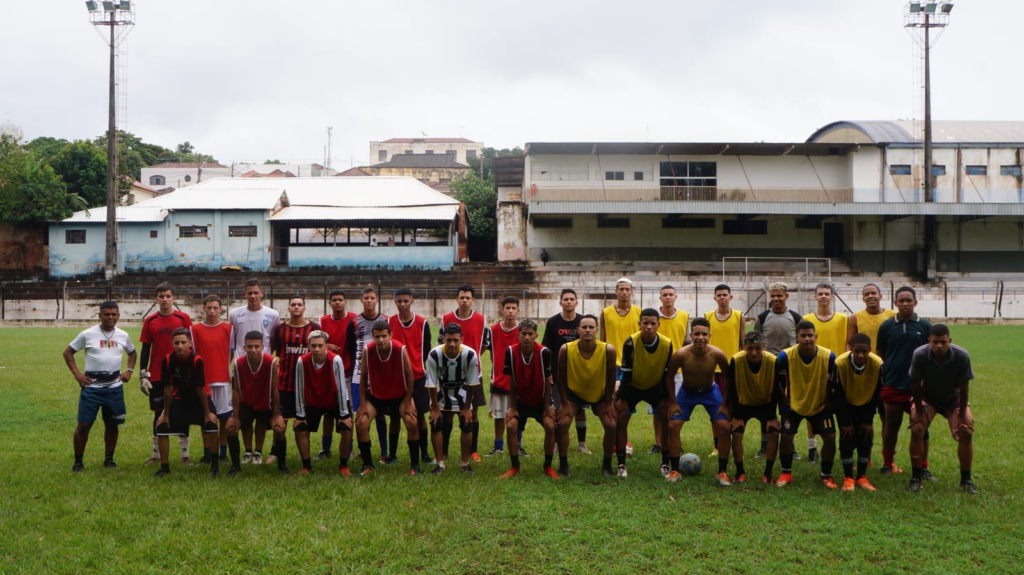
{"points": [[185, 413], [420, 396], [156, 396], [584, 404], [478, 396], [315, 414], [857, 415], [247, 416], [287, 399], [525, 412], [822, 422], [944, 408], [632, 396], [762, 413], [389, 407]]}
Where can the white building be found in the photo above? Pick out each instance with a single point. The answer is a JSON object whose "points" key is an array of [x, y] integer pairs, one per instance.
{"points": [[463, 149], [181, 174]]}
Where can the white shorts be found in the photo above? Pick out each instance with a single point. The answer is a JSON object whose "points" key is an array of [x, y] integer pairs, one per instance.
{"points": [[221, 394], [498, 405], [679, 383]]}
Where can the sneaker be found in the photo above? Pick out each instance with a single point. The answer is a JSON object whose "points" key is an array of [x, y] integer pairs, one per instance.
{"points": [[437, 470], [655, 450], [109, 464], [512, 472], [622, 473], [77, 467], [383, 460], [233, 471], [246, 459], [765, 480], [214, 473], [475, 457], [304, 471], [415, 470], [366, 471], [713, 454], [784, 479], [161, 472], [391, 461], [344, 471], [550, 472], [741, 478], [827, 481], [434, 462], [152, 460], [607, 472], [673, 476], [796, 456], [629, 449], [915, 486], [494, 452], [257, 458], [890, 470], [760, 454], [271, 459], [582, 448], [723, 479], [323, 454], [564, 472], [849, 484], [968, 487], [186, 460], [664, 469], [812, 456], [864, 484], [927, 475], [523, 452], [466, 469]]}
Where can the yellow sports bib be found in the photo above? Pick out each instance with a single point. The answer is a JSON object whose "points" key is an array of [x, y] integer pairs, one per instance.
{"points": [[586, 377], [807, 383], [725, 335], [648, 367], [858, 387], [674, 328], [617, 328], [831, 333], [754, 388], [868, 324]]}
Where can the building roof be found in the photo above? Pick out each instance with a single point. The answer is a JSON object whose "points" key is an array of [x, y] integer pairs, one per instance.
{"points": [[428, 141], [911, 132], [275, 174], [422, 161], [444, 213], [144, 187], [689, 148], [353, 172], [126, 214], [206, 166]]}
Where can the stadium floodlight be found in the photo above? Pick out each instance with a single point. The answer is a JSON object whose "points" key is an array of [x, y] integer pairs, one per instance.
{"points": [[125, 5], [91, 5], [915, 7], [108, 6], [930, 7], [947, 7]]}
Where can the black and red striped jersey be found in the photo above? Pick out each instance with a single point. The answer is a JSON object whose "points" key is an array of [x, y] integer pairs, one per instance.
{"points": [[290, 343]]}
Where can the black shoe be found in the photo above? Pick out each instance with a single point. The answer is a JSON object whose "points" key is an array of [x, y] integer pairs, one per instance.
{"points": [[109, 464], [607, 472], [925, 474], [812, 455], [760, 454], [968, 487], [161, 472], [655, 450], [283, 470], [391, 461], [523, 452], [205, 460], [214, 473], [415, 470], [915, 486], [564, 472], [233, 471], [437, 470], [77, 467], [466, 469], [224, 459]]}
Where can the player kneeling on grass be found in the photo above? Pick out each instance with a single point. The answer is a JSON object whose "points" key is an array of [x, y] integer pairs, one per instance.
{"points": [[806, 372], [528, 368], [452, 369], [187, 401], [255, 398], [751, 393], [103, 381], [321, 391], [855, 400], [387, 390], [940, 373]]}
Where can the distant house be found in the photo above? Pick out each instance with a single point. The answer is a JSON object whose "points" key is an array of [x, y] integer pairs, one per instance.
{"points": [[141, 192], [353, 172], [435, 170], [463, 149], [181, 174], [274, 170], [274, 174]]}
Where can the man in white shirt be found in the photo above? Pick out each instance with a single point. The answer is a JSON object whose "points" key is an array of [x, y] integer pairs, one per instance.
{"points": [[102, 383]]}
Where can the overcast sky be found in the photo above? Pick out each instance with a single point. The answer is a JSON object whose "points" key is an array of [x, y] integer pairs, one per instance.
{"points": [[250, 80]]}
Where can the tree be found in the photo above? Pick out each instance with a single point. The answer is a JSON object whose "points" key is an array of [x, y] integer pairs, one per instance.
{"points": [[485, 159], [273, 162], [83, 167], [185, 149], [30, 190], [481, 199], [45, 148]]}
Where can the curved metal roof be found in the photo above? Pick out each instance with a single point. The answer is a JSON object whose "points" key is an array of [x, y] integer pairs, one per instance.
{"points": [[879, 131], [943, 131]]}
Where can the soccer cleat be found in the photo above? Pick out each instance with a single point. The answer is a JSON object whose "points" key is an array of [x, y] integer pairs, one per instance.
{"points": [[564, 472], [785, 479], [523, 452], [466, 469], [607, 472], [494, 452], [283, 470], [849, 484], [205, 459], [741, 478], [927, 475], [383, 460], [760, 454], [512, 472], [257, 458], [391, 461], [864, 484], [214, 473], [890, 470], [161, 472], [77, 467], [550, 472], [673, 476], [271, 459], [622, 473], [713, 454], [415, 470], [765, 480], [968, 487], [344, 471], [438, 470], [664, 469], [475, 457], [186, 460], [247, 458], [323, 454], [629, 449], [109, 464], [304, 471], [233, 471], [655, 450], [366, 471], [582, 448], [723, 480], [827, 481], [152, 460], [224, 459], [915, 486]]}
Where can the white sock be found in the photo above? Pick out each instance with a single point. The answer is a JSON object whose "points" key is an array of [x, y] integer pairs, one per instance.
{"points": [[156, 447], [183, 443], [812, 443], [440, 464]]}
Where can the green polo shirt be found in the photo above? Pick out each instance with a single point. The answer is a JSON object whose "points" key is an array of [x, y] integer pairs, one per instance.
{"points": [[898, 339]]}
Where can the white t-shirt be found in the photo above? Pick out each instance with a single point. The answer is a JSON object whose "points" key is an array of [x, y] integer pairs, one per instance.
{"points": [[103, 352], [243, 321]]}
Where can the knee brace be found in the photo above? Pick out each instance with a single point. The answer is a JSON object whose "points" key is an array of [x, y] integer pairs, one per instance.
{"points": [[301, 428], [740, 429], [464, 426]]}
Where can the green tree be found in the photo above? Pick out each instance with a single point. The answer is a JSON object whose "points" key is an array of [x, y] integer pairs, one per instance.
{"points": [[481, 200], [45, 148], [30, 191], [487, 155], [83, 167], [273, 162]]}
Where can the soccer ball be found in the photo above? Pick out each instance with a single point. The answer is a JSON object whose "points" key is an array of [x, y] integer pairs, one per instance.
{"points": [[689, 464]]}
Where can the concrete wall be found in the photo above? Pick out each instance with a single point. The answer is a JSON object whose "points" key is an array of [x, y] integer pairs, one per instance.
{"points": [[396, 257], [432, 175], [956, 185], [421, 147], [511, 232], [23, 247]]}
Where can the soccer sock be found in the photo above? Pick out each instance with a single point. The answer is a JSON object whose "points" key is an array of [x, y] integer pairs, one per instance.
{"points": [[924, 463], [621, 456], [563, 462], [282, 453], [165, 467], [862, 466], [515, 462], [108, 456], [214, 464], [414, 452], [325, 442], [606, 463], [78, 459], [547, 460], [183, 443], [364, 452], [307, 463], [223, 450], [664, 457], [423, 444], [234, 447], [674, 463], [519, 436], [393, 445], [965, 475], [787, 462], [764, 444], [769, 465], [848, 467], [476, 437], [826, 467], [722, 465], [206, 451], [812, 443], [581, 431], [887, 457], [499, 444], [156, 447], [714, 443], [382, 436], [918, 473], [739, 468]]}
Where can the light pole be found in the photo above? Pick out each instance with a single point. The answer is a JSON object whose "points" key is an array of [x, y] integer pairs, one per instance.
{"points": [[923, 16], [120, 17]]}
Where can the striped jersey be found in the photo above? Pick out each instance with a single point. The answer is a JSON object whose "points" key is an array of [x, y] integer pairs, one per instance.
{"points": [[364, 335], [452, 376], [290, 343]]}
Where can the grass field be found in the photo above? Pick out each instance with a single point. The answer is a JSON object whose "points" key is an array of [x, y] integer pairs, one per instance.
{"points": [[126, 521]]}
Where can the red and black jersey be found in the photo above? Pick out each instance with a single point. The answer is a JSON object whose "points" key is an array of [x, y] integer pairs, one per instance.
{"points": [[289, 344], [501, 340], [255, 385], [387, 374], [529, 373], [156, 331], [213, 344], [342, 333], [184, 375], [416, 338]]}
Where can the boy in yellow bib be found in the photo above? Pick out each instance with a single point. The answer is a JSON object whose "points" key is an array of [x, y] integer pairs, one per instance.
{"points": [[855, 400]]}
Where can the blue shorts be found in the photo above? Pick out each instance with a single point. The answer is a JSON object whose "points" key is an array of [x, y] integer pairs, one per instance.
{"points": [[355, 397], [109, 399], [687, 400]]}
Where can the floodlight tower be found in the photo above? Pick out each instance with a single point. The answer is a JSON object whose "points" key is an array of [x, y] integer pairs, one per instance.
{"points": [[924, 16], [120, 17]]}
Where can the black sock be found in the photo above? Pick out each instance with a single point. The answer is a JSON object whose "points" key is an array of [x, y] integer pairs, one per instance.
{"points": [[723, 464], [714, 443], [764, 444], [273, 449], [382, 436], [206, 451], [787, 462], [476, 437], [423, 444], [214, 463], [307, 463], [108, 456], [165, 467], [826, 467], [664, 457], [918, 473], [606, 463], [739, 468], [325, 442], [563, 462], [515, 461], [965, 475], [769, 464], [78, 459], [364, 452], [581, 431], [282, 453], [414, 452], [446, 436], [848, 468], [234, 448], [862, 466], [393, 445], [223, 450], [621, 456], [674, 463], [547, 460]]}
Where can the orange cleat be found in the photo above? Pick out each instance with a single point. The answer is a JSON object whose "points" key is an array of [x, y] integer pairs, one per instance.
{"points": [[767, 480], [673, 476], [304, 471], [848, 484], [864, 484], [784, 479], [344, 471], [741, 478], [476, 457], [550, 472], [723, 479], [512, 472], [830, 483]]}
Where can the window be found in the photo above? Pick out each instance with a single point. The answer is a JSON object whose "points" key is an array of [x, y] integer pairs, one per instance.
{"points": [[560, 170], [675, 222], [614, 175], [900, 169], [382, 155], [152, 233], [192, 232], [745, 227], [188, 178], [157, 181], [408, 151], [938, 170], [74, 236], [430, 152], [701, 174], [552, 223], [241, 231], [977, 170], [470, 154], [450, 152], [638, 176], [612, 222], [1009, 171]]}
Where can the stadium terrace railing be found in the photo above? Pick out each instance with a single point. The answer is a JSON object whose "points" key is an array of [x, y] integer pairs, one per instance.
{"points": [[688, 193]]}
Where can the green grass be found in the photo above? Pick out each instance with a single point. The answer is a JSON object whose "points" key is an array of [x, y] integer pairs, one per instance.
{"points": [[125, 520]]}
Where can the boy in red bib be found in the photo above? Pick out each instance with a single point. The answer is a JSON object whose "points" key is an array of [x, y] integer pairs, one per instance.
{"points": [[254, 398], [321, 390], [527, 365]]}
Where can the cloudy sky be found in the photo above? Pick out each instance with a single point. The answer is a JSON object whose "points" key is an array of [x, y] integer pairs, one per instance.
{"points": [[253, 79]]}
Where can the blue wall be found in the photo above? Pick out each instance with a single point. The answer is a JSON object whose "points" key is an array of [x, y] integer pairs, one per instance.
{"points": [[397, 257]]}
